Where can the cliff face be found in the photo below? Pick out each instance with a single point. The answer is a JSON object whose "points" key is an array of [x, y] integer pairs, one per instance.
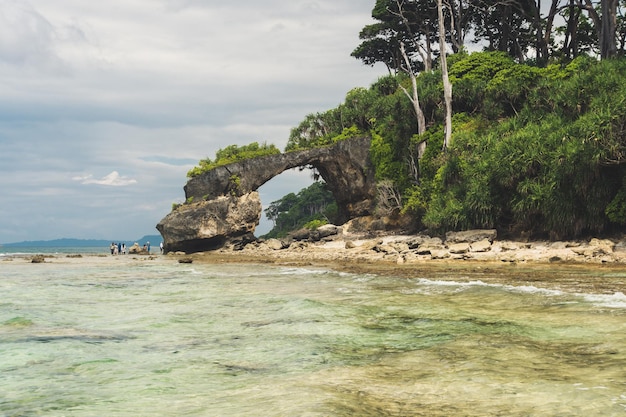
{"points": [[224, 204]]}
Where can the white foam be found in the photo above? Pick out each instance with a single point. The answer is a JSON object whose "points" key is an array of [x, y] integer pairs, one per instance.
{"points": [[301, 271], [530, 289], [616, 300], [449, 283]]}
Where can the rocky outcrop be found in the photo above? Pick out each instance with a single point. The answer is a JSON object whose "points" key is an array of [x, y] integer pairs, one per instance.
{"points": [[207, 225], [222, 205], [413, 249], [345, 167], [471, 236]]}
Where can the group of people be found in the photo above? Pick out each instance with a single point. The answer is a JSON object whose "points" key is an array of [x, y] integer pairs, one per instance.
{"points": [[118, 248]]}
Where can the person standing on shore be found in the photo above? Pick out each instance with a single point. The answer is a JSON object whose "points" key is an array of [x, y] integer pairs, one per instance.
{"points": [[148, 246], [161, 247]]}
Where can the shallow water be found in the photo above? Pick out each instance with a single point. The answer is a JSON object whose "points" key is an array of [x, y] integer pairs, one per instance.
{"points": [[158, 338]]}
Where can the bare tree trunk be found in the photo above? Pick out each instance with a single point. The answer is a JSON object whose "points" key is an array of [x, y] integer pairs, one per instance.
{"points": [[447, 86], [414, 97], [608, 46]]}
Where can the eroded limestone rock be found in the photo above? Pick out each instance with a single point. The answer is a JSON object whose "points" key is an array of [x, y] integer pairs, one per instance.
{"points": [[471, 236], [207, 225], [345, 167], [220, 209]]}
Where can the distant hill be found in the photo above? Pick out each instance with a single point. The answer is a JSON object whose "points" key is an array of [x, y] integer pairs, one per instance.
{"points": [[81, 243]]}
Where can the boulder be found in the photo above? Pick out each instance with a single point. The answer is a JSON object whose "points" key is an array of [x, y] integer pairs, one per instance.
{"points": [[38, 259], [481, 246], [602, 245], [208, 225], [400, 247], [274, 244], [415, 241], [439, 254], [471, 236], [304, 234], [620, 246], [135, 249], [385, 248], [328, 230], [459, 248], [595, 248], [428, 246]]}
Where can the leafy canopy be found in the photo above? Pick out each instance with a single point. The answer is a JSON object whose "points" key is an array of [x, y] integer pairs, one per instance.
{"points": [[311, 207]]}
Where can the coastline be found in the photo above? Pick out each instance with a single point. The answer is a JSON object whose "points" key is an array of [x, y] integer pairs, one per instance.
{"points": [[594, 267], [589, 267], [572, 278]]}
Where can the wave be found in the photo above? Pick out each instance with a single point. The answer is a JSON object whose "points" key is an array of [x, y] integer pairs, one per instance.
{"points": [[616, 300]]}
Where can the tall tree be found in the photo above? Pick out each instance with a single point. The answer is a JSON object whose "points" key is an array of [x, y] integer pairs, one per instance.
{"points": [[414, 95], [460, 22], [447, 85], [411, 22], [608, 41], [605, 24]]}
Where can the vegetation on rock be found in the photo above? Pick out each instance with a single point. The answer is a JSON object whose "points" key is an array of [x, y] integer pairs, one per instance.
{"points": [[233, 153]]}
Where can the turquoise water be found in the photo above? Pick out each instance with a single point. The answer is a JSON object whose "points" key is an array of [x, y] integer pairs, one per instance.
{"points": [[134, 337], [9, 251]]}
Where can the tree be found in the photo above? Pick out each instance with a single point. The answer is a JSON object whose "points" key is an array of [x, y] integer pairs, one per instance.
{"points": [[413, 96], [293, 211], [608, 41], [605, 24], [399, 21], [578, 32], [447, 86], [460, 22]]}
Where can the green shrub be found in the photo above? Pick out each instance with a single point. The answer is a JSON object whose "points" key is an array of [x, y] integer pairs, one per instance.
{"points": [[233, 153], [314, 224]]}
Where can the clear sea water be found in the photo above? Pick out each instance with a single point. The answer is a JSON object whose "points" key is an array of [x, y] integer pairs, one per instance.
{"points": [[152, 337], [8, 251]]}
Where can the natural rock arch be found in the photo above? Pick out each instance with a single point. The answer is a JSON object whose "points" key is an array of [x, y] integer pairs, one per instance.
{"points": [[223, 203]]}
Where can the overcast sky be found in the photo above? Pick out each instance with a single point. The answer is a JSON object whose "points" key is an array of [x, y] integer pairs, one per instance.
{"points": [[105, 106]]}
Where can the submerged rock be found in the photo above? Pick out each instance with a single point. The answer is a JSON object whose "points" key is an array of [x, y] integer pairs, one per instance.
{"points": [[38, 259]]}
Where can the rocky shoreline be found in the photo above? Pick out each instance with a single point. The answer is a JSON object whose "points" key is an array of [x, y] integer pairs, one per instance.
{"points": [[479, 245], [593, 266]]}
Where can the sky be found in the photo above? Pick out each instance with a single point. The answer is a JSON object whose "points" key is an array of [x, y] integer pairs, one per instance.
{"points": [[105, 106]]}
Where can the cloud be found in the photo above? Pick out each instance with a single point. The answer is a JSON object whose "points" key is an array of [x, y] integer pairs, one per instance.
{"points": [[113, 179], [26, 37], [149, 87]]}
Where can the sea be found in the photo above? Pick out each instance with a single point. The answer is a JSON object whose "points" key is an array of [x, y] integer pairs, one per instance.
{"points": [[12, 251], [131, 336]]}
